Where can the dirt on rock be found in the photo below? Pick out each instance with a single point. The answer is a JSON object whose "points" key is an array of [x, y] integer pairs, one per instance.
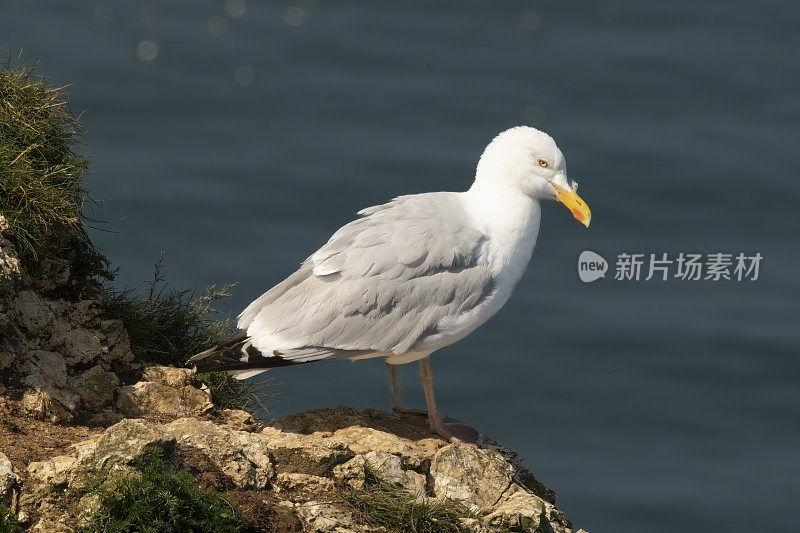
{"points": [[24, 439], [262, 510]]}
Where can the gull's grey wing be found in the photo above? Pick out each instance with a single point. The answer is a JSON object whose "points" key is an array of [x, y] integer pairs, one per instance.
{"points": [[381, 284]]}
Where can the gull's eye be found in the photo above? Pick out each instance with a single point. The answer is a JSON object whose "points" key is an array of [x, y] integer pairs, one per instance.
{"points": [[542, 163]]}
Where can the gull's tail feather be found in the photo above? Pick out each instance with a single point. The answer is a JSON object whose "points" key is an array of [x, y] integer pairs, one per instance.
{"points": [[238, 357], [241, 359]]}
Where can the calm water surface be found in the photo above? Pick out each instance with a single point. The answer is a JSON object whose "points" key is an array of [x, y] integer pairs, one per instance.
{"points": [[238, 144]]}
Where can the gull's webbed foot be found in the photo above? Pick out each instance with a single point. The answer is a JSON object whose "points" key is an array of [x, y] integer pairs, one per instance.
{"points": [[448, 428], [455, 431]]}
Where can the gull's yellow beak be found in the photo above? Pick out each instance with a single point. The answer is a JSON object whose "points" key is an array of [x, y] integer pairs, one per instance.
{"points": [[574, 203]]}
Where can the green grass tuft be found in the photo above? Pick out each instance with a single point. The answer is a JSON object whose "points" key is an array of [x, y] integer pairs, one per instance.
{"points": [[228, 392], [8, 522], [165, 325], [42, 194], [384, 505], [159, 499]]}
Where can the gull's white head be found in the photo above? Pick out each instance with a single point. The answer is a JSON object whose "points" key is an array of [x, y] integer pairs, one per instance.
{"points": [[527, 160]]}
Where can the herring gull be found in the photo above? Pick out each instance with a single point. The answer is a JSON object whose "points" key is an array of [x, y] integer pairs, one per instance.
{"points": [[409, 276]]}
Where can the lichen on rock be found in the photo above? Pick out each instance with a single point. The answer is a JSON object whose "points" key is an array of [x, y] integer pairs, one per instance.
{"points": [[473, 476], [114, 451], [60, 357], [149, 397], [242, 456]]}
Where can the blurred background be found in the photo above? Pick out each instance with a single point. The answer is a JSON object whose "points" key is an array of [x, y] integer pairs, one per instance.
{"points": [[238, 135]]}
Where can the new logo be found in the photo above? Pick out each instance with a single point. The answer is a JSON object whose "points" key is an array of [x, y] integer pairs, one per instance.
{"points": [[591, 266]]}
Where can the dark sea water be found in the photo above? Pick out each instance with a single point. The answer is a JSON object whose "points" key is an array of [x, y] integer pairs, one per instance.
{"points": [[656, 406]]}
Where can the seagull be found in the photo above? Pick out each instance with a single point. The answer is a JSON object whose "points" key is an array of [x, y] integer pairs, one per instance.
{"points": [[410, 276]]}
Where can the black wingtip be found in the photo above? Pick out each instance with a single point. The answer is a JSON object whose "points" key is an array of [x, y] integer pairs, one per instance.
{"points": [[236, 356]]}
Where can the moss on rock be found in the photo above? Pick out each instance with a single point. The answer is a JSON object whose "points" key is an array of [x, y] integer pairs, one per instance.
{"points": [[159, 498]]}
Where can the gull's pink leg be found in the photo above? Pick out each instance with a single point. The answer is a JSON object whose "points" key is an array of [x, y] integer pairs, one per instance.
{"points": [[450, 429], [397, 403]]}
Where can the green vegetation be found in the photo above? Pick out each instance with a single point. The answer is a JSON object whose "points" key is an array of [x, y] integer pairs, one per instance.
{"points": [[159, 499], [165, 325], [8, 522], [43, 197], [230, 393], [384, 505], [42, 194]]}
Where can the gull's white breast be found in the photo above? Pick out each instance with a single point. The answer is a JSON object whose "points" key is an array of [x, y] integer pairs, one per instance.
{"points": [[511, 224]]}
